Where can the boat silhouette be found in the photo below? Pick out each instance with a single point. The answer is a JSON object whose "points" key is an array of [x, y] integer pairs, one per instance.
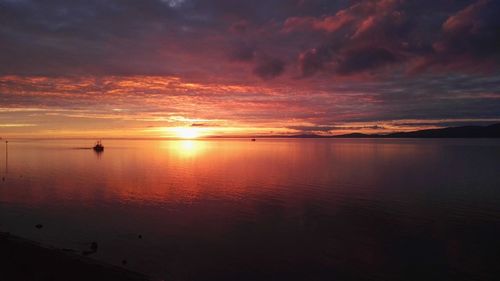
{"points": [[98, 146]]}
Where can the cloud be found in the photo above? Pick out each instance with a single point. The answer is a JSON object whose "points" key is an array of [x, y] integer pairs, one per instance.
{"points": [[365, 58], [240, 27], [192, 38], [312, 128], [17, 125], [203, 125], [362, 37], [345, 62], [243, 52], [268, 68], [470, 39], [325, 23], [314, 60], [263, 65], [170, 101], [331, 128], [368, 35]]}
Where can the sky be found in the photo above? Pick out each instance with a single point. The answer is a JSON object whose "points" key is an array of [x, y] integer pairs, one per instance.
{"points": [[167, 68]]}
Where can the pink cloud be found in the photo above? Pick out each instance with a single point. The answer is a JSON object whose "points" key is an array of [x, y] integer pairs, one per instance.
{"points": [[325, 23], [466, 20]]}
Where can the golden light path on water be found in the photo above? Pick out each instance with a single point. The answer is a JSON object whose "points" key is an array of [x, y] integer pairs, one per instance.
{"points": [[189, 148]]}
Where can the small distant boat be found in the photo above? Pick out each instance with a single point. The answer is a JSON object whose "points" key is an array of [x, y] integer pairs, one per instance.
{"points": [[98, 146], [253, 139]]}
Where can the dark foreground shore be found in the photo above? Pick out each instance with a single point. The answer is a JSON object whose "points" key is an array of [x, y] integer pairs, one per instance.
{"points": [[21, 259]]}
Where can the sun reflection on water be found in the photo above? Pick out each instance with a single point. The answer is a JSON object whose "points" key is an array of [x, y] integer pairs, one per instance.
{"points": [[188, 148]]}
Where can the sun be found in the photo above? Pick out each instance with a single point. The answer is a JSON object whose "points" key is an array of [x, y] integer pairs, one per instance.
{"points": [[187, 133]]}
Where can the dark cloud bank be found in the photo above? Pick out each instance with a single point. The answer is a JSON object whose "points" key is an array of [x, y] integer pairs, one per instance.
{"points": [[272, 37]]}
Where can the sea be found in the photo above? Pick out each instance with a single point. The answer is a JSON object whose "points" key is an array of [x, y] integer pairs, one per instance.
{"points": [[270, 209]]}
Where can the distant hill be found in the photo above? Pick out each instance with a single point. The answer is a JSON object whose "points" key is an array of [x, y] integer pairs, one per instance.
{"points": [[356, 135], [491, 131]]}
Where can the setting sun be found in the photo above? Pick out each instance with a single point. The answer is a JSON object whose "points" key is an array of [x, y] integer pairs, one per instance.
{"points": [[187, 133]]}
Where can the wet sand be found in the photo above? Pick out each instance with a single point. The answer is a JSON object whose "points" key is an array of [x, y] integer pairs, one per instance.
{"points": [[21, 259]]}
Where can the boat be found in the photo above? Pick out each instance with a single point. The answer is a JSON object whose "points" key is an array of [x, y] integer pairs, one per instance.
{"points": [[253, 139], [98, 146]]}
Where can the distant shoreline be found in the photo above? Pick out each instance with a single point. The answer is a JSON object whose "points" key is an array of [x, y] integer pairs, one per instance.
{"points": [[22, 259], [466, 132]]}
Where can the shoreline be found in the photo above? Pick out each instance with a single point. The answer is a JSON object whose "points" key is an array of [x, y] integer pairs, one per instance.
{"points": [[23, 259]]}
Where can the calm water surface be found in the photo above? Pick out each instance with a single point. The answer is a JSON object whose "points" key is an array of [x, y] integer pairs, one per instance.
{"points": [[275, 209]]}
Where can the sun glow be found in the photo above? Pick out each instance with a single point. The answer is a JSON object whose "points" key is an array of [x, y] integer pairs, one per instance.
{"points": [[187, 133]]}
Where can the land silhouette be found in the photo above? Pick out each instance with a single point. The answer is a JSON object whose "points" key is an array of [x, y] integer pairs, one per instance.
{"points": [[491, 131]]}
